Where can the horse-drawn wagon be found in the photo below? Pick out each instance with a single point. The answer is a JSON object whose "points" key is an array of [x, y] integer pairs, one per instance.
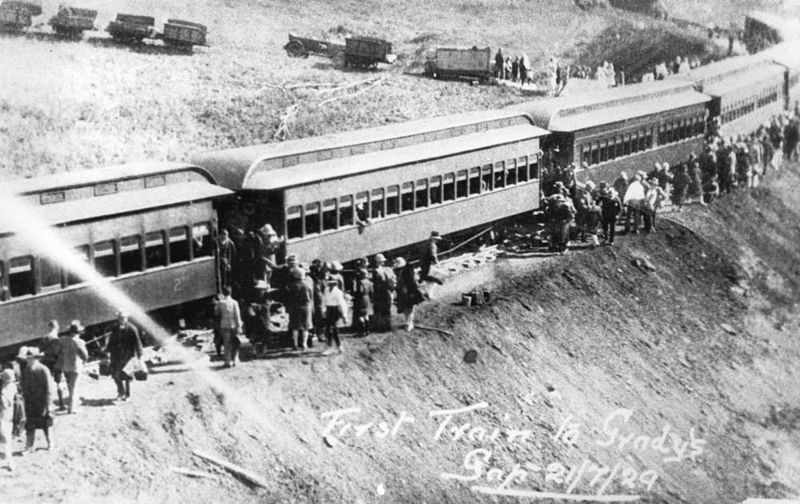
{"points": [[15, 15]]}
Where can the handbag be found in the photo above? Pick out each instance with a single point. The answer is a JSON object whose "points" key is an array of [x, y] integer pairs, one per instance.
{"points": [[135, 369]]}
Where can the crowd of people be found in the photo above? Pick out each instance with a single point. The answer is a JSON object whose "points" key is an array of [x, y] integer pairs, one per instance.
{"points": [[594, 210], [313, 296], [40, 376]]}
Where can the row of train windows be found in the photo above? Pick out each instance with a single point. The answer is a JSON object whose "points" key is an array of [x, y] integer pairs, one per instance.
{"points": [[616, 147], [331, 214], [624, 145], [394, 143], [101, 189], [110, 258], [742, 108]]}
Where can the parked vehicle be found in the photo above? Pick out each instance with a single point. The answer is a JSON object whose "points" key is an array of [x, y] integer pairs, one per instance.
{"points": [[71, 22], [367, 52], [16, 15], [452, 62], [178, 32], [301, 47], [128, 28]]}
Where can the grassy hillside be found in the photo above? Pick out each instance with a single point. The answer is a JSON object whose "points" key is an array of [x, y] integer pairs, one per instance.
{"points": [[73, 105]]}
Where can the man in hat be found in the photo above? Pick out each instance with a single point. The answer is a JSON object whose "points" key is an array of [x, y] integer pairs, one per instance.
{"points": [[37, 390], [72, 355], [49, 346], [227, 258], [384, 283], [271, 245], [610, 209], [123, 345], [300, 305], [230, 326], [430, 258]]}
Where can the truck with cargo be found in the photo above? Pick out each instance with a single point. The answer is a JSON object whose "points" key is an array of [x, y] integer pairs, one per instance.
{"points": [[15, 15], [71, 22], [367, 52], [452, 62]]}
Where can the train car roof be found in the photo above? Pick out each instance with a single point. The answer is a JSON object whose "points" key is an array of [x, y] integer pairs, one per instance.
{"points": [[728, 82], [231, 166], [343, 167], [96, 175], [127, 202], [578, 112], [785, 53], [723, 74]]}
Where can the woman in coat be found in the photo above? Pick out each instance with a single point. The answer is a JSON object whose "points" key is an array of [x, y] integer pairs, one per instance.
{"points": [[8, 389], [409, 295]]}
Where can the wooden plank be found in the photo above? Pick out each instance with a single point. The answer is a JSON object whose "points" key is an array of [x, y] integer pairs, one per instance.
{"points": [[233, 468], [194, 474]]}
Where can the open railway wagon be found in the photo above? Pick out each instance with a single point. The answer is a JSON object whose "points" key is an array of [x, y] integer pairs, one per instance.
{"points": [[302, 47], [626, 128], [15, 15], [345, 196], [127, 28], [365, 52], [745, 91], [150, 229], [71, 22]]}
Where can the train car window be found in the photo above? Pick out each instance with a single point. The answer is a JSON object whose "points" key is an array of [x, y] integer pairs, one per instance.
{"points": [[105, 258], [103, 189], [620, 146], [603, 151], [534, 167], [178, 244], [393, 200], [421, 189], [595, 154], [462, 184], [155, 251], [586, 154], [499, 175], [329, 219], [376, 204], [202, 240], [154, 181], [294, 222], [436, 190], [522, 169], [346, 211], [52, 197], [20, 276], [83, 254], [130, 255], [407, 197], [324, 155], [290, 161], [449, 187], [3, 289], [486, 178], [387, 145], [511, 172], [356, 150], [313, 219], [474, 180], [50, 274], [648, 140], [626, 145]]}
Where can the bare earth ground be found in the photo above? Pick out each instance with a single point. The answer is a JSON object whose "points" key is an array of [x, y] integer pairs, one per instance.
{"points": [[582, 335]]}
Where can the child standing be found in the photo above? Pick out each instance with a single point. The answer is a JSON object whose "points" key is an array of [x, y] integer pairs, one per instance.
{"points": [[335, 313]]}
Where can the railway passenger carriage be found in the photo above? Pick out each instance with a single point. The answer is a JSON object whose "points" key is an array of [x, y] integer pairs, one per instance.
{"points": [[788, 56], [745, 92], [449, 175], [149, 228], [623, 129]]}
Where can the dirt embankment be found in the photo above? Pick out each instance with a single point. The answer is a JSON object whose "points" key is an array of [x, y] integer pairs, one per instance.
{"points": [[670, 360]]}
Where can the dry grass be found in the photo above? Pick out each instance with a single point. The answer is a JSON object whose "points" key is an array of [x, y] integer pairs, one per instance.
{"points": [[73, 105]]}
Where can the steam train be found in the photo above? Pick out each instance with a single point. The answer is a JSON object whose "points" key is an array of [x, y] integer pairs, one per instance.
{"points": [[151, 228]]}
